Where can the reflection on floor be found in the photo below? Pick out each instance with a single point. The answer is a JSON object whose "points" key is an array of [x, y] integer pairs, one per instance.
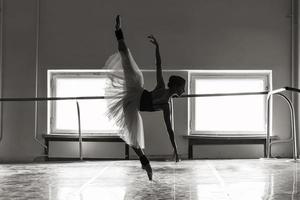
{"points": [[198, 179]]}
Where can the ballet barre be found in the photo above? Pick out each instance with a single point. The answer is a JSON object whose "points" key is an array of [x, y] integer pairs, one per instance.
{"points": [[269, 119], [80, 137], [113, 97], [222, 94]]}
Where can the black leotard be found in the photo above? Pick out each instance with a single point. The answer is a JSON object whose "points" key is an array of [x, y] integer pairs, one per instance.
{"points": [[146, 103]]}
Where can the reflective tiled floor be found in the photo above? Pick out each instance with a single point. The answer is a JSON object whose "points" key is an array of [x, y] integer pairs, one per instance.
{"points": [[198, 179]]}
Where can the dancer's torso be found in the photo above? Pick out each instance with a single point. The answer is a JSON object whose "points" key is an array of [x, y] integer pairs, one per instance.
{"points": [[154, 100]]}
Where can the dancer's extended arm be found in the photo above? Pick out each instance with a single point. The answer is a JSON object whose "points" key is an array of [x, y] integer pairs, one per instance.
{"points": [[159, 77], [166, 111]]}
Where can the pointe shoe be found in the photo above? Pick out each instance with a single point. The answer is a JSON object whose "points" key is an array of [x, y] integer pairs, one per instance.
{"points": [[176, 158], [148, 169]]}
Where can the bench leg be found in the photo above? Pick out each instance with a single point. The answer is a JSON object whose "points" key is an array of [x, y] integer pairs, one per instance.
{"points": [[265, 150], [126, 151], [46, 150], [190, 156]]}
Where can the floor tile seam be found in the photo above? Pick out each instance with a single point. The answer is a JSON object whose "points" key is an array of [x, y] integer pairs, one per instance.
{"points": [[220, 180], [78, 192]]}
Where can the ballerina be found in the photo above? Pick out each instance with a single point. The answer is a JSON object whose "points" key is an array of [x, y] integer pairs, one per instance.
{"points": [[126, 84]]}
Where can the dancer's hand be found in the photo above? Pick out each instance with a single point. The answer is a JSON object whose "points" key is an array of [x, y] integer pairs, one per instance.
{"points": [[153, 40], [118, 22]]}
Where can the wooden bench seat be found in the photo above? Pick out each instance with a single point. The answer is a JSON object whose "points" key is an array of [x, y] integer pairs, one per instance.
{"points": [[224, 139], [85, 138]]}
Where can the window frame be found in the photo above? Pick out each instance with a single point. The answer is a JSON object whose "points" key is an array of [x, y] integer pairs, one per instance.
{"points": [[266, 75], [52, 77]]}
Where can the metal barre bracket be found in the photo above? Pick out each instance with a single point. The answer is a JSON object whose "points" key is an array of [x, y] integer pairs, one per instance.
{"points": [[294, 137]]}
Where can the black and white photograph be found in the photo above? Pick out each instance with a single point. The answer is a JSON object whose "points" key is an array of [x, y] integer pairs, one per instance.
{"points": [[149, 100]]}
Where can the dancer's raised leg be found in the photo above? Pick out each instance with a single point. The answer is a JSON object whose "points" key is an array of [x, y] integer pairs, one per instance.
{"points": [[130, 73]]}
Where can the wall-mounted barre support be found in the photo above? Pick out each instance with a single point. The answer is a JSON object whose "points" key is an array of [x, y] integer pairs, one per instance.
{"points": [[293, 137], [79, 131]]}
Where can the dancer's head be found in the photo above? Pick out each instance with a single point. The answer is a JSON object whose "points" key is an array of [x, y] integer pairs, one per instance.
{"points": [[176, 85]]}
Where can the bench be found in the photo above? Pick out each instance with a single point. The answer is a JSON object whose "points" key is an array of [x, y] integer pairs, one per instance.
{"points": [[85, 138], [224, 139]]}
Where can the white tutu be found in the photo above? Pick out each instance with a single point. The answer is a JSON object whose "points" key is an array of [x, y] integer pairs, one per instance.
{"points": [[125, 86]]}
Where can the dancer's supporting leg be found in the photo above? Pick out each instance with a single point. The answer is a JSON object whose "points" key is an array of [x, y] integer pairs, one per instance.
{"points": [[144, 161]]}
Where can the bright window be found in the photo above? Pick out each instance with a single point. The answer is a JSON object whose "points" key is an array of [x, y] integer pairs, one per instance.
{"points": [[62, 115], [228, 114]]}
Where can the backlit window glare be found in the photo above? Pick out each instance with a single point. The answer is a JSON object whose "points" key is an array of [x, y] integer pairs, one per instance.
{"points": [[229, 113], [92, 112]]}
